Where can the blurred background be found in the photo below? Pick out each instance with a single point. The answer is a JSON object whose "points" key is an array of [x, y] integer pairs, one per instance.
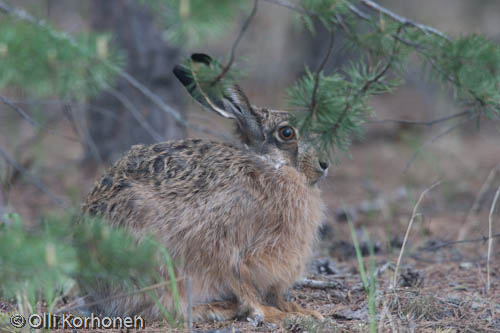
{"points": [[65, 118], [74, 140]]}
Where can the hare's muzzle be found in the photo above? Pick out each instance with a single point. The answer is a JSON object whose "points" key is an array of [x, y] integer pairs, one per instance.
{"points": [[323, 165]]}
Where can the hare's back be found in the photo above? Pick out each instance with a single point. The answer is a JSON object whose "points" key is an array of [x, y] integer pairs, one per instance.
{"points": [[170, 172], [181, 162]]}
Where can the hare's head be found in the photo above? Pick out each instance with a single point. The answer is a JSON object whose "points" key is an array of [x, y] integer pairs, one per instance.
{"points": [[266, 132]]}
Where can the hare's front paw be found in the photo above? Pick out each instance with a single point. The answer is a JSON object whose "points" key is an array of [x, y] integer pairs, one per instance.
{"points": [[258, 314], [251, 312], [295, 309], [311, 313], [273, 315]]}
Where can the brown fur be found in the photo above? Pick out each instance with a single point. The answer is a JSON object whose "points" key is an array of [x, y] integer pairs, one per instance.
{"points": [[239, 219]]}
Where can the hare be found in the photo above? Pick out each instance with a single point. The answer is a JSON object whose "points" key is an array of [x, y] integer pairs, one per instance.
{"points": [[239, 219]]}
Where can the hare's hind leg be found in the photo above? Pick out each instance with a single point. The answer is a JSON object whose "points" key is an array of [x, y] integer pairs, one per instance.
{"points": [[228, 310], [215, 311], [276, 298], [247, 296]]}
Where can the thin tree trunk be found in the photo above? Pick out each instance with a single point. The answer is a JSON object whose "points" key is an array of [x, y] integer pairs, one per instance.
{"points": [[112, 126]]}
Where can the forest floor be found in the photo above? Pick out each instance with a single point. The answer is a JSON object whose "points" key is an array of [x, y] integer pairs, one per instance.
{"points": [[441, 285]]}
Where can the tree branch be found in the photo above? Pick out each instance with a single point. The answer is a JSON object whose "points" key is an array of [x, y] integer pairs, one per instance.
{"points": [[473, 115], [127, 103], [244, 28], [19, 111], [403, 20], [433, 248], [429, 123], [358, 12], [32, 179], [81, 129], [289, 5], [30, 120]]}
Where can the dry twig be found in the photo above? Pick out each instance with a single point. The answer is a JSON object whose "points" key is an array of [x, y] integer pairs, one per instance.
{"points": [[244, 28], [317, 284], [490, 239], [413, 215], [475, 206], [386, 313], [189, 292]]}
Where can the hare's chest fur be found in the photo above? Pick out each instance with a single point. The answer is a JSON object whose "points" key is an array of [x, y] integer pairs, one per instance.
{"points": [[297, 209], [282, 226]]}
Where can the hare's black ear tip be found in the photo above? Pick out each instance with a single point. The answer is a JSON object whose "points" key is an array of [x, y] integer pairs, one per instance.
{"points": [[183, 75], [201, 57]]}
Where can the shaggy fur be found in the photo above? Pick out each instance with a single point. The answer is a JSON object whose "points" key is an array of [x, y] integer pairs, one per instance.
{"points": [[239, 219]]}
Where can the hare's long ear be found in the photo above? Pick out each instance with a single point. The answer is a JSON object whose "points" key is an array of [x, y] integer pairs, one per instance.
{"points": [[201, 91], [248, 121], [228, 100]]}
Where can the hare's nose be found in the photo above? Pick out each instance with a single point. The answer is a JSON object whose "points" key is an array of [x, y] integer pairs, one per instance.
{"points": [[323, 165]]}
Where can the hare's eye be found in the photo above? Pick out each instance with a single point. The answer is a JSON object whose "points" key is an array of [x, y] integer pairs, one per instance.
{"points": [[287, 133]]}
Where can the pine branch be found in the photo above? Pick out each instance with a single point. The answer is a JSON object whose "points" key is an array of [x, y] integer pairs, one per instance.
{"points": [[244, 28], [387, 66], [449, 78], [377, 77], [365, 87], [447, 58], [342, 116], [314, 104]]}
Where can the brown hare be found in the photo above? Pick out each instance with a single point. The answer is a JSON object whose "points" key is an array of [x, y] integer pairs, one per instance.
{"points": [[239, 219]]}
